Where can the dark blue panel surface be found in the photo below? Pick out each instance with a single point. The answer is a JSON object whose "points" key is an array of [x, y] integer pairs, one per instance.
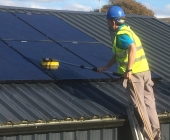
{"points": [[14, 67], [95, 53], [13, 28], [55, 28], [35, 51]]}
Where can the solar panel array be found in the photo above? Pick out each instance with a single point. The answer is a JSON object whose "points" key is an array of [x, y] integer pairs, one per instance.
{"points": [[27, 38]]}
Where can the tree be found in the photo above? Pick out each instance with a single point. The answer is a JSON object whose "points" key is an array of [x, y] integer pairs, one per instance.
{"points": [[130, 7]]}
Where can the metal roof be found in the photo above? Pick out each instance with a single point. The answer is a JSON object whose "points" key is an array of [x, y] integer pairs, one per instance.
{"points": [[76, 100], [73, 100]]}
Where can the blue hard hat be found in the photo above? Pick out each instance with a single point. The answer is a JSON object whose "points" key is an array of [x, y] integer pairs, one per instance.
{"points": [[115, 12]]}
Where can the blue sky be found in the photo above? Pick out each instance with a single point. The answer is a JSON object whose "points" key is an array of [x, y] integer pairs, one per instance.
{"points": [[161, 8]]}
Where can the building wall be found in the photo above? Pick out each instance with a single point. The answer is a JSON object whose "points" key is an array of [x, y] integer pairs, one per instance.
{"points": [[165, 131], [100, 134], [121, 133]]}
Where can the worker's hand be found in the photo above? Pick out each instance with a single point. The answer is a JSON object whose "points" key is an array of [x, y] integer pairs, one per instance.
{"points": [[127, 75], [102, 69]]}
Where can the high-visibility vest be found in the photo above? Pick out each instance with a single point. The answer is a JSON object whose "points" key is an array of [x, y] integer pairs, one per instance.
{"points": [[140, 64]]}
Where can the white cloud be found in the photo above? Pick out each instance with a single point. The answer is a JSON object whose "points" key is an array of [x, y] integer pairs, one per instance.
{"points": [[36, 6], [78, 7], [44, 0], [159, 12], [8, 3], [20, 4]]}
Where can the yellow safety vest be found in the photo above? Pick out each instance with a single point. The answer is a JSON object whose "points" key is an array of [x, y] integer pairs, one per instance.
{"points": [[140, 64]]}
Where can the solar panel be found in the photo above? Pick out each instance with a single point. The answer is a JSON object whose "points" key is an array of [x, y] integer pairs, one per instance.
{"points": [[95, 53], [55, 28], [35, 51], [15, 67], [15, 29]]}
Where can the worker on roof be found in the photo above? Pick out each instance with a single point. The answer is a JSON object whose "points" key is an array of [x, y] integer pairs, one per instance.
{"points": [[132, 63]]}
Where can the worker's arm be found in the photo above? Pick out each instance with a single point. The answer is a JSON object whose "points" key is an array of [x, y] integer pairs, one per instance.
{"points": [[131, 59], [109, 64]]}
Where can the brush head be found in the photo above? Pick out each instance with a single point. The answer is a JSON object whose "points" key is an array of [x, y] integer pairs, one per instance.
{"points": [[49, 63]]}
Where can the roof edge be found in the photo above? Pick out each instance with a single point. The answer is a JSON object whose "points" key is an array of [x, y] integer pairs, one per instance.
{"points": [[49, 10], [67, 11], [48, 127], [68, 125]]}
